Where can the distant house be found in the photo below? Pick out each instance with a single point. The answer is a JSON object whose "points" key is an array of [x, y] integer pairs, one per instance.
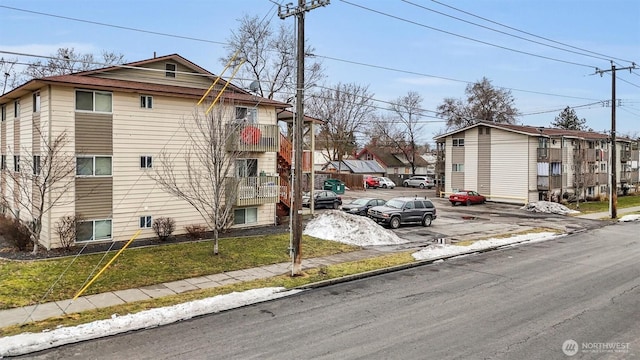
{"points": [[363, 167], [395, 164], [513, 163]]}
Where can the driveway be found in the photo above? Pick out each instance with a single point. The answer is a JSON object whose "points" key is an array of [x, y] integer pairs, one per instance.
{"points": [[460, 223]]}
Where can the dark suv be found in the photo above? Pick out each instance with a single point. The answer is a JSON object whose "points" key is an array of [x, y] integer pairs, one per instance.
{"points": [[404, 210]]}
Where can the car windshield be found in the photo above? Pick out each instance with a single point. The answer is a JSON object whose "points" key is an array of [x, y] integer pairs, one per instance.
{"points": [[360, 201], [461, 193], [395, 203]]}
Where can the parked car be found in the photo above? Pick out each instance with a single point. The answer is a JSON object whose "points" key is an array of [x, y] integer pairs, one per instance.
{"points": [[322, 198], [385, 182], [466, 197], [404, 210], [371, 182], [419, 181], [361, 206]]}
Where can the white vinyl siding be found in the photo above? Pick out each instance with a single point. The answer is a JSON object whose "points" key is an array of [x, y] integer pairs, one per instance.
{"points": [[135, 193], [509, 166]]}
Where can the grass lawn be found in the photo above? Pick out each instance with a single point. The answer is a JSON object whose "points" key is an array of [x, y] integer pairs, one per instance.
{"points": [[31, 282], [602, 206]]}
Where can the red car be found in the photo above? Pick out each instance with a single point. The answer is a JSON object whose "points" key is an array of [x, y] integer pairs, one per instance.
{"points": [[466, 197], [371, 182]]}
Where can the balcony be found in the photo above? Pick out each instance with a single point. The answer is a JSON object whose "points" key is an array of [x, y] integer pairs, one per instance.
{"points": [[255, 138], [625, 155], [255, 190], [587, 155], [549, 155]]}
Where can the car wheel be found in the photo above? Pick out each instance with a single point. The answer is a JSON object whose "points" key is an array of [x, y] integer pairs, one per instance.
{"points": [[468, 203], [421, 186], [453, 203], [335, 205], [484, 201], [394, 223], [366, 186], [384, 186], [405, 184], [426, 220]]}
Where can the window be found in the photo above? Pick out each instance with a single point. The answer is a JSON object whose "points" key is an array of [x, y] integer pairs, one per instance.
{"points": [[97, 101], [16, 163], [145, 222], [36, 101], [245, 216], [458, 168], [246, 114], [458, 142], [246, 168], [3, 112], [3, 162], [603, 167], [146, 101], [94, 230], [170, 70], [543, 142], [146, 162], [93, 165], [36, 165], [16, 108]]}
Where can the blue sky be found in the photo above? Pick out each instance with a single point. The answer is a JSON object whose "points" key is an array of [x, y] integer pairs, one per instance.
{"points": [[422, 50]]}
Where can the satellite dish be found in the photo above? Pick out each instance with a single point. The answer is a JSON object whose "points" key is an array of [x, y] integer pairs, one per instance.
{"points": [[254, 86]]}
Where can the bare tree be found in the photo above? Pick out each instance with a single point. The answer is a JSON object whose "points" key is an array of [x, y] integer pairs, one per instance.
{"points": [[483, 102], [67, 61], [346, 110], [402, 130], [40, 180], [269, 57], [204, 177], [10, 78]]}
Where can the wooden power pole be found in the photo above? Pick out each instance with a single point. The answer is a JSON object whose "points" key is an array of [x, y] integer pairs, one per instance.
{"points": [[298, 128], [613, 188]]}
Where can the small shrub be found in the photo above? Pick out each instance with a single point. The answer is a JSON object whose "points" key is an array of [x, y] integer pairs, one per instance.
{"points": [[163, 227], [67, 230], [195, 231], [16, 233]]}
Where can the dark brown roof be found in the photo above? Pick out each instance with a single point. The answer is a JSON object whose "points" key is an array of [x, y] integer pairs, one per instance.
{"points": [[287, 116], [534, 131]]}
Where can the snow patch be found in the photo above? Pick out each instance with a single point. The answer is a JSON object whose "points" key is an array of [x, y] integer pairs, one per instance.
{"points": [[351, 229], [627, 218], [548, 207]]}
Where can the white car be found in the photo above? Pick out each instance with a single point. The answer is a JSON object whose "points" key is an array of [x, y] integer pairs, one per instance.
{"points": [[385, 182]]}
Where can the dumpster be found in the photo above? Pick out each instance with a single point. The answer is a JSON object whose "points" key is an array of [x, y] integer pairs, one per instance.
{"points": [[334, 185]]}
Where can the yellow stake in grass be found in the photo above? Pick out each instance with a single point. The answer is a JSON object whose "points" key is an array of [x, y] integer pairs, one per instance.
{"points": [[106, 266]]}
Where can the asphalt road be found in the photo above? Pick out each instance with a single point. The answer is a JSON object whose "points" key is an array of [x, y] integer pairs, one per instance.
{"points": [[516, 303]]}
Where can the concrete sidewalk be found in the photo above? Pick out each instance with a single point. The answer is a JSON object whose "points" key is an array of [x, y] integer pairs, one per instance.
{"points": [[605, 214], [48, 310]]}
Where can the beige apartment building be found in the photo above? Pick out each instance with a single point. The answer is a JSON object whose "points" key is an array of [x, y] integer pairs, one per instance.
{"points": [[520, 164], [117, 121]]}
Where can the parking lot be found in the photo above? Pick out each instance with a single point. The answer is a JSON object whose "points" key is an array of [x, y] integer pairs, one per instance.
{"points": [[460, 223]]}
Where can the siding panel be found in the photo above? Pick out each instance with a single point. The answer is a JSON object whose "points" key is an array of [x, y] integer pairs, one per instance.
{"points": [[94, 133], [94, 199]]}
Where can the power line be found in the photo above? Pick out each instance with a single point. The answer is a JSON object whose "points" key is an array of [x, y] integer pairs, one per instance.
{"points": [[528, 33], [466, 37], [504, 32]]}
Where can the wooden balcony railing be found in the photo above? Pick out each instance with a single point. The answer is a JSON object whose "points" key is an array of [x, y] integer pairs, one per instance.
{"points": [[549, 182], [254, 190], [549, 155], [255, 138], [625, 155]]}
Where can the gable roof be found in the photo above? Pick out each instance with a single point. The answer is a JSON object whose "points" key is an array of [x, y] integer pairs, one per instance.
{"points": [[532, 131], [359, 166], [383, 156], [89, 79]]}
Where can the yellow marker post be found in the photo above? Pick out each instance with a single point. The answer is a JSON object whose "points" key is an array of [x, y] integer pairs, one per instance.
{"points": [[225, 86], [219, 77], [106, 266]]}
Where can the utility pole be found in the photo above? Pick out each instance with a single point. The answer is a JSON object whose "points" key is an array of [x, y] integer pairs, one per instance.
{"points": [[298, 129], [613, 189]]}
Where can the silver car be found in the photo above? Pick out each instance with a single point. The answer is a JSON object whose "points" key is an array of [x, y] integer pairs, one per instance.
{"points": [[419, 181], [385, 183]]}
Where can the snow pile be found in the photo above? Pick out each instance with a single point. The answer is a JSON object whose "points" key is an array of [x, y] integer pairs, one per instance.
{"points": [[548, 208], [30, 342], [351, 229], [632, 217], [437, 251]]}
